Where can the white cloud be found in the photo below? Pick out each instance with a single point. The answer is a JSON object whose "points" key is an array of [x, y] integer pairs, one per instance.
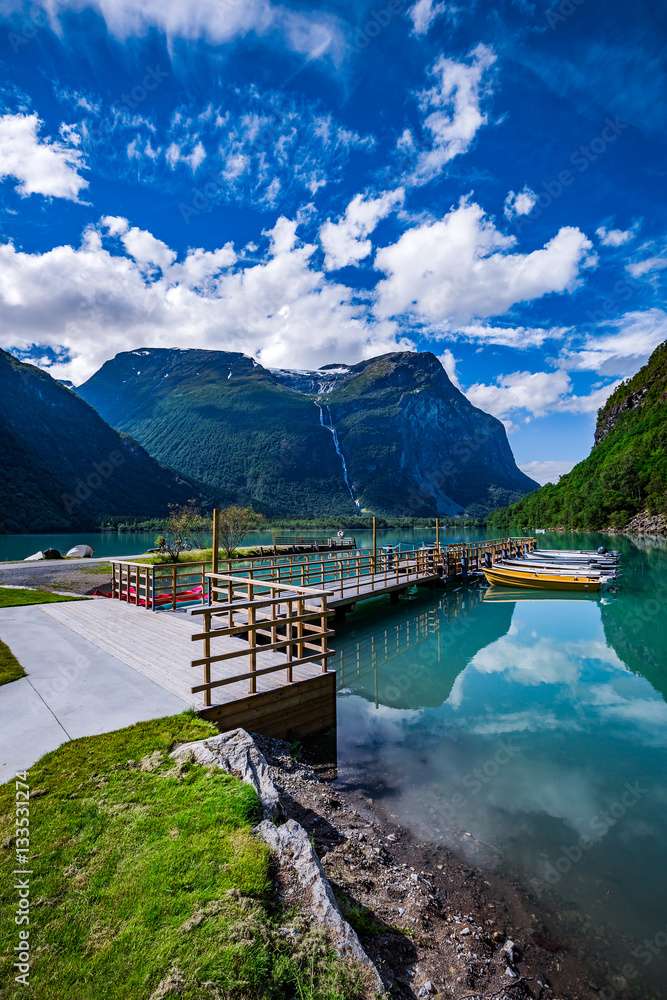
{"points": [[40, 165], [454, 115], [312, 34], [548, 471], [345, 242], [511, 336], [590, 403], [634, 338], [457, 270], [519, 202], [449, 363], [148, 251], [196, 157], [94, 301], [639, 268], [174, 155], [423, 13], [614, 237], [534, 393]]}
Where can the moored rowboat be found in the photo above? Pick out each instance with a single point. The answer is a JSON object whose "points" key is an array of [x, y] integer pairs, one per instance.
{"points": [[541, 579]]}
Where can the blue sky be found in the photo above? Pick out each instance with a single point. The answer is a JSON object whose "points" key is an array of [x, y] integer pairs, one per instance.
{"points": [[312, 183]]}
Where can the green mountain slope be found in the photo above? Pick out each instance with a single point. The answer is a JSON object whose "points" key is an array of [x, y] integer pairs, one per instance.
{"points": [[63, 467], [391, 435], [224, 420], [414, 443], [626, 472]]}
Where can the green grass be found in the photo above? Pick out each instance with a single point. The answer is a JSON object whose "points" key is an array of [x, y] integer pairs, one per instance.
{"points": [[10, 668], [17, 597], [143, 870]]}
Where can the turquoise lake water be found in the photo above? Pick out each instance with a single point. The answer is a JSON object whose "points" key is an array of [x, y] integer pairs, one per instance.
{"points": [[531, 732], [125, 543]]}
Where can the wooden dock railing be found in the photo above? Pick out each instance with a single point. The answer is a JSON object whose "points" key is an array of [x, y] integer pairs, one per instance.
{"points": [[345, 574], [159, 585], [277, 627]]}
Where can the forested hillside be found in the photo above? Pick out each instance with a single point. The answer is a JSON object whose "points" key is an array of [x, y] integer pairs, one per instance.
{"points": [[626, 472]]}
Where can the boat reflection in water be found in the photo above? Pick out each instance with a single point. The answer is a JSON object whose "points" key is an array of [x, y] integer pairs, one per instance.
{"points": [[508, 726]]}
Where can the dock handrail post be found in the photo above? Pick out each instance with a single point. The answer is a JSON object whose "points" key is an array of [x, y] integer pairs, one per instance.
{"points": [[375, 542], [437, 534], [173, 587], [301, 610], [215, 541], [252, 635], [288, 637], [207, 653], [324, 624]]}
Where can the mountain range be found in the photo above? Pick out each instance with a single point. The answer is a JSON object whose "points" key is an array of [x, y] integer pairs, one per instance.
{"points": [[391, 435], [152, 427], [623, 482]]}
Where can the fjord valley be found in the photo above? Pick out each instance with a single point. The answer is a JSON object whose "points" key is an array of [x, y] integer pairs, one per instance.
{"points": [[391, 435]]}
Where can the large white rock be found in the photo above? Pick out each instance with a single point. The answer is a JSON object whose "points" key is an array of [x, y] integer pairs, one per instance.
{"points": [[236, 753], [295, 855], [80, 552]]}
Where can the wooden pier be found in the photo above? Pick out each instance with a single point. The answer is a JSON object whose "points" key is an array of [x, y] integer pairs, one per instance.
{"points": [[264, 625]]}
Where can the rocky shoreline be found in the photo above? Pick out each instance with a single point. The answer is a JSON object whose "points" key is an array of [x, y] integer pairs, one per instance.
{"points": [[433, 924]]}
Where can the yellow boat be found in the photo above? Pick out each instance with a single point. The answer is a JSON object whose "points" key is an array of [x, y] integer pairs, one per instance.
{"points": [[541, 580]]}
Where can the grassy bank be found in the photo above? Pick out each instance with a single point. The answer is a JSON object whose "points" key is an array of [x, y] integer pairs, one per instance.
{"points": [[17, 597], [10, 668], [145, 874]]}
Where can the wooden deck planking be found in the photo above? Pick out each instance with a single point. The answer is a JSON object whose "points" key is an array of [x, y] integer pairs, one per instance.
{"points": [[160, 647]]}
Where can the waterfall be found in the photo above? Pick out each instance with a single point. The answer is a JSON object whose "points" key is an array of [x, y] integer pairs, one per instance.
{"points": [[334, 434]]}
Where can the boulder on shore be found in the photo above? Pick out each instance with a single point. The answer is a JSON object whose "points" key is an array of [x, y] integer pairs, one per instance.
{"points": [[79, 552], [44, 554]]}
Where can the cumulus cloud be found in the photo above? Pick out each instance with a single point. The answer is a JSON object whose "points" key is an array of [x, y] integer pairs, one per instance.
{"points": [[519, 202], [449, 363], [614, 237], [589, 403], [107, 296], [346, 242], [459, 269], [634, 337], [453, 111], [40, 165], [147, 251], [423, 13], [548, 471], [534, 393], [312, 34]]}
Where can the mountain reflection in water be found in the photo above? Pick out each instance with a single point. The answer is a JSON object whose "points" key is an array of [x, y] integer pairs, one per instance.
{"points": [[529, 732]]}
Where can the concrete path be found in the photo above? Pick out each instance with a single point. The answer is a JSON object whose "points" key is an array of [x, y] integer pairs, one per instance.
{"points": [[73, 689]]}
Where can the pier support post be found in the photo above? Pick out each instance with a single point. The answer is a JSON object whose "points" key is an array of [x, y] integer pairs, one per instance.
{"points": [[215, 541]]}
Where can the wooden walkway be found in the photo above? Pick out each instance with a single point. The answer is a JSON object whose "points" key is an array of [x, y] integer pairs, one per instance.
{"points": [[262, 628], [161, 648]]}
